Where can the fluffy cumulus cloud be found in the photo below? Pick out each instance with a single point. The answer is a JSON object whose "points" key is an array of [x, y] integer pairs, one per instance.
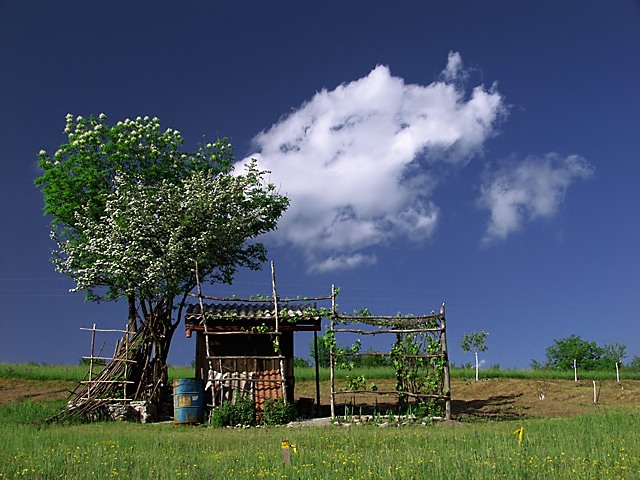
{"points": [[528, 190], [359, 161]]}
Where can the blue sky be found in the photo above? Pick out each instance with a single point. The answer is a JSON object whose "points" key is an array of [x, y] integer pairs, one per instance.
{"points": [[482, 154]]}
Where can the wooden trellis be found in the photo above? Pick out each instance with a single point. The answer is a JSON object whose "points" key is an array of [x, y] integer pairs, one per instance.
{"points": [[434, 361]]}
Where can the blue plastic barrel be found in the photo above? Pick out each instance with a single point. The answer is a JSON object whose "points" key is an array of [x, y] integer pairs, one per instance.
{"points": [[188, 401]]}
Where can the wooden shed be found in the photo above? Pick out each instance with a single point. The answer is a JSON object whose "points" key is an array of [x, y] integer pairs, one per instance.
{"points": [[246, 350]]}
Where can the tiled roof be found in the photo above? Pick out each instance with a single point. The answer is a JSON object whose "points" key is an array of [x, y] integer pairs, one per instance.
{"points": [[232, 316], [249, 310]]}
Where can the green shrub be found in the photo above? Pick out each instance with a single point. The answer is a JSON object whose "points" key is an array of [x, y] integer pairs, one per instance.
{"points": [[243, 412], [427, 408], [278, 412]]}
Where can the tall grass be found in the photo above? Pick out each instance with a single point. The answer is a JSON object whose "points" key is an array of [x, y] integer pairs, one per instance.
{"points": [[76, 373], [308, 373], [42, 371], [602, 445], [544, 374]]}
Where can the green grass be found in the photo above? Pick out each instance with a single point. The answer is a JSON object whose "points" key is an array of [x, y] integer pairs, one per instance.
{"points": [[308, 373], [43, 371], [542, 374], [601, 445]]}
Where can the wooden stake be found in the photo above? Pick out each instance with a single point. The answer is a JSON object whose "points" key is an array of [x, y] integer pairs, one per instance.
{"points": [[277, 320], [331, 358], [93, 340], [286, 451], [315, 357], [206, 336], [447, 374]]}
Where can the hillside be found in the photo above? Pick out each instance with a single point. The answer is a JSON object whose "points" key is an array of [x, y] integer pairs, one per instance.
{"points": [[498, 399]]}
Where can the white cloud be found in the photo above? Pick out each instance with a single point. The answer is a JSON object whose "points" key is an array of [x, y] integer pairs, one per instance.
{"points": [[358, 161], [534, 188], [343, 262]]}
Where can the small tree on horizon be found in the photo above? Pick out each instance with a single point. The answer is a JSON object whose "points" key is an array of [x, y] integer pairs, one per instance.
{"points": [[562, 354], [613, 353], [474, 342]]}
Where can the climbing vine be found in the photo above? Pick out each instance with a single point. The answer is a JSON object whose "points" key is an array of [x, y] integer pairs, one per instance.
{"points": [[418, 357]]}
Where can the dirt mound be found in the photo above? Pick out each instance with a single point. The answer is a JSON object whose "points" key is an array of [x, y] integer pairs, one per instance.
{"points": [[507, 398], [514, 398], [498, 399]]}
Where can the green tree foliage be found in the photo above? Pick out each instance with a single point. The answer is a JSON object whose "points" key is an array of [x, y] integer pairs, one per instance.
{"points": [[327, 341], [588, 355], [474, 342], [324, 348], [634, 364], [134, 212], [612, 353], [372, 360]]}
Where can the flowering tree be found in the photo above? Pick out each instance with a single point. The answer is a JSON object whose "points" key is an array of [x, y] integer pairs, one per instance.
{"points": [[133, 215]]}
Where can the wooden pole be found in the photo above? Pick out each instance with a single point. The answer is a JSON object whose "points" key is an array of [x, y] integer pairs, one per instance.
{"points": [[315, 357], [331, 358], [277, 339], [126, 363], [93, 340], [206, 338], [447, 373]]}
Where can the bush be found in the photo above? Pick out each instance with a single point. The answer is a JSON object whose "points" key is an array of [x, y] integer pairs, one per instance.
{"points": [[427, 408], [230, 415], [278, 412], [300, 362]]}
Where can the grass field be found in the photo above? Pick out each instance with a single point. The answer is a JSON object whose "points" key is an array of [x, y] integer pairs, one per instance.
{"points": [[36, 371], [39, 371], [308, 373], [599, 445]]}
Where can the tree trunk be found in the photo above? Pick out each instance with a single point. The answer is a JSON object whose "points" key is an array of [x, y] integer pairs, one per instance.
{"points": [[477, 365], [133, 316], [150, 373]]}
